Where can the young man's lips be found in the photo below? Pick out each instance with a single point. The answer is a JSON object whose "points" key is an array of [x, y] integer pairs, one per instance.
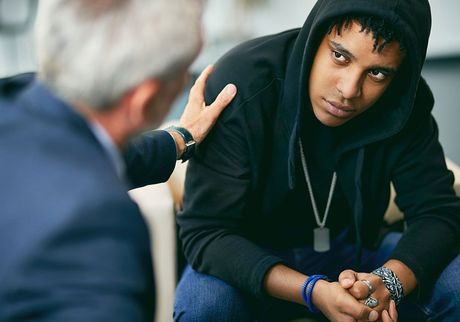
{"points": [[338, 109]]}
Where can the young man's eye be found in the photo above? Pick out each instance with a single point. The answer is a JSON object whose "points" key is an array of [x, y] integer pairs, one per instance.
{"points": [[338, 57], [378, 75]]}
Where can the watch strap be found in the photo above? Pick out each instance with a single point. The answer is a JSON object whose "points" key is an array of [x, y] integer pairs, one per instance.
{"points": [[188, 140]]}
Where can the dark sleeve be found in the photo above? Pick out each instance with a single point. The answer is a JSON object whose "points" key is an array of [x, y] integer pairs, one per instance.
{"points": [[425, 194], [217, 193], [150, 158]]}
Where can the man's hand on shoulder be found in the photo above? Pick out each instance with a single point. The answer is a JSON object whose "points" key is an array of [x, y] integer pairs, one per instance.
{"points": [[199, 118]]}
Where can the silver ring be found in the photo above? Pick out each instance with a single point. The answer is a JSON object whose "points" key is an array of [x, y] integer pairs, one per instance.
{"points": [[371, 302], [370, 287]]}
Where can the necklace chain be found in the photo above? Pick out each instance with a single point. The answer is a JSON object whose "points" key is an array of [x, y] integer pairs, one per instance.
{"points": [[319, 222]]}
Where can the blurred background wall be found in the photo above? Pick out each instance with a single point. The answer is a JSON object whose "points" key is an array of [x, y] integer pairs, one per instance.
{"points": [[226, 23]]}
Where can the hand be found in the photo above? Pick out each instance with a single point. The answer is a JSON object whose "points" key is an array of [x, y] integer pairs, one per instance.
{"points": [[337, 304], [198, 118], [352, 281], [391, 315]]}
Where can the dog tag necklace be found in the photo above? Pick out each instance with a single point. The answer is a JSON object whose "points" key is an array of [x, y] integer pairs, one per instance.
{"points": [[321, 241]]}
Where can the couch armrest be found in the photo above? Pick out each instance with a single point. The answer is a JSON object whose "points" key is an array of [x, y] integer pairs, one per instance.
{"points": [[456, 170], [156, 204]]}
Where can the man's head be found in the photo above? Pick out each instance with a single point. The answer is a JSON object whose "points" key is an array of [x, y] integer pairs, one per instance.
{"points": [[353, 66], [102, 54]]}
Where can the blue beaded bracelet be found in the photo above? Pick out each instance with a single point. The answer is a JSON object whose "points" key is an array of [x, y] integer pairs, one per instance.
{"points": [[307, 289]]}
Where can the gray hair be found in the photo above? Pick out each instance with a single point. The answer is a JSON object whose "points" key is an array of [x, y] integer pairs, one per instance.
{"points": [[95, 51]]}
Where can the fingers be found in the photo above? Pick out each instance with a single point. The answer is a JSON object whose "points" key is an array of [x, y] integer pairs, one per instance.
{"points": [[365, 285], [364, 313], [348, 305], [197, 91], [196, 97], [387, 318], [347, 278], [338, 305], [393, 312], [222, 100], [391, 315], [362, 289]]}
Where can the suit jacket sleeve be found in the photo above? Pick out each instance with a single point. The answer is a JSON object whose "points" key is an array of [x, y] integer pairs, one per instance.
{"points": [[150, 158]]}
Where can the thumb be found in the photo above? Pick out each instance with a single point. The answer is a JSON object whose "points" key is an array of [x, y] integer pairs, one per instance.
{"points": [[347, 278], [224, 98]]}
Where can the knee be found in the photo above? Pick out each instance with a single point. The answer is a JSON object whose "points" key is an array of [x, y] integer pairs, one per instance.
{"points": [[448, 283], [206, 298], [445, 298]]}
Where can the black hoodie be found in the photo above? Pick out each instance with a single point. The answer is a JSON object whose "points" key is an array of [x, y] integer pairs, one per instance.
{"points": [[237, 185]]}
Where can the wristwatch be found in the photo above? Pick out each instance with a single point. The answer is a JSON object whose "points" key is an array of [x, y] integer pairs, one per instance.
{"points": [[190, 143]]}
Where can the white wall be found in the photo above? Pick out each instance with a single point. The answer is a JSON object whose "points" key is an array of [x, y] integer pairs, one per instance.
{"points": [[229, 22], [16, 50], [445, 38]]}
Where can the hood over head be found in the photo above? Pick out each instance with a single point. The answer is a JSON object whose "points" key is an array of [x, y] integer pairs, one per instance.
{"points": [[412, 18]]}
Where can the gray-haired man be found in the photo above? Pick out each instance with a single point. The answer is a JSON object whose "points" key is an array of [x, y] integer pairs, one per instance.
{"points": [[74, 246]]}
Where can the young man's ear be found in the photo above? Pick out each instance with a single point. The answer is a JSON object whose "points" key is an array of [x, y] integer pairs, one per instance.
{"points": [[140, 99]]}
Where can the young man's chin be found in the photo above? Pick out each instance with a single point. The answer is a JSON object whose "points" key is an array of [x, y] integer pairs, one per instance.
{"points": [[328, 119]]}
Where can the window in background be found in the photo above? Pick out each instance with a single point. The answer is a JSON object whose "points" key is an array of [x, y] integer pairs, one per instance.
{"points": [[16, 41]]}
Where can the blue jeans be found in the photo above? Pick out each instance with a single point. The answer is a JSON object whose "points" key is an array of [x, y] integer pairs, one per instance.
{"points": [[204, 298]]}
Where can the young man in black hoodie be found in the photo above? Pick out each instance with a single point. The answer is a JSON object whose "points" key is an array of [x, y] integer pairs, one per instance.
{"points": [[293, 183]]}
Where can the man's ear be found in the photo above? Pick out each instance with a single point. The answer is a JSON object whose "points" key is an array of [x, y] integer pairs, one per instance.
{"points": [[139, 99]]}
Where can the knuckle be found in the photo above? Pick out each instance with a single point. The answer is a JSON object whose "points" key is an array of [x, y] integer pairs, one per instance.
{"points": [[363, 314], [344, 274], [359, 292], [340, 302]]}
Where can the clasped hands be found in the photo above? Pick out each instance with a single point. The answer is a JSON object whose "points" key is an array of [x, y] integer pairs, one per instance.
{"points": [[345, 300]]}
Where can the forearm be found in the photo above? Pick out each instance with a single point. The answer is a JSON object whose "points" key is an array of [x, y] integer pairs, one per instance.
{"points": [[284, 283], [150, 158], [404, 273], [426, 247]]}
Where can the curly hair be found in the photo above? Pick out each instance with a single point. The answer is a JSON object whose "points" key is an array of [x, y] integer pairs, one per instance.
{"points": [[382, 32]]}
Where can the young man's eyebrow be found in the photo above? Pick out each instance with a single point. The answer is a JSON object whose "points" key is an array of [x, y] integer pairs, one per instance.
{"points": [[344, 51], [389, 70]]}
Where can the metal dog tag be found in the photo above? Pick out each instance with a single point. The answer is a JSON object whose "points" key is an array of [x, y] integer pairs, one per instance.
{"points": [[321, 241]]}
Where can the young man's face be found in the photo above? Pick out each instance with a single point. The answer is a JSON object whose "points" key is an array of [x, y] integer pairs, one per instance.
{"points": [[348, 76]]}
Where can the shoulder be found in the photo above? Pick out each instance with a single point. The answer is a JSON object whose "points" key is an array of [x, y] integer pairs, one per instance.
{"points": [[254, 63], [257, 67], [58, 185], [44, 162]]}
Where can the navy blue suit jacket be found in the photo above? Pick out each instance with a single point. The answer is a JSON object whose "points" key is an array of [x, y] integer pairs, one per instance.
{"points": [[73, 246]]}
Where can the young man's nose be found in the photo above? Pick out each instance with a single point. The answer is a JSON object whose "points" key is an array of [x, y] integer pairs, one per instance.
{"points": [[350, 86]]}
